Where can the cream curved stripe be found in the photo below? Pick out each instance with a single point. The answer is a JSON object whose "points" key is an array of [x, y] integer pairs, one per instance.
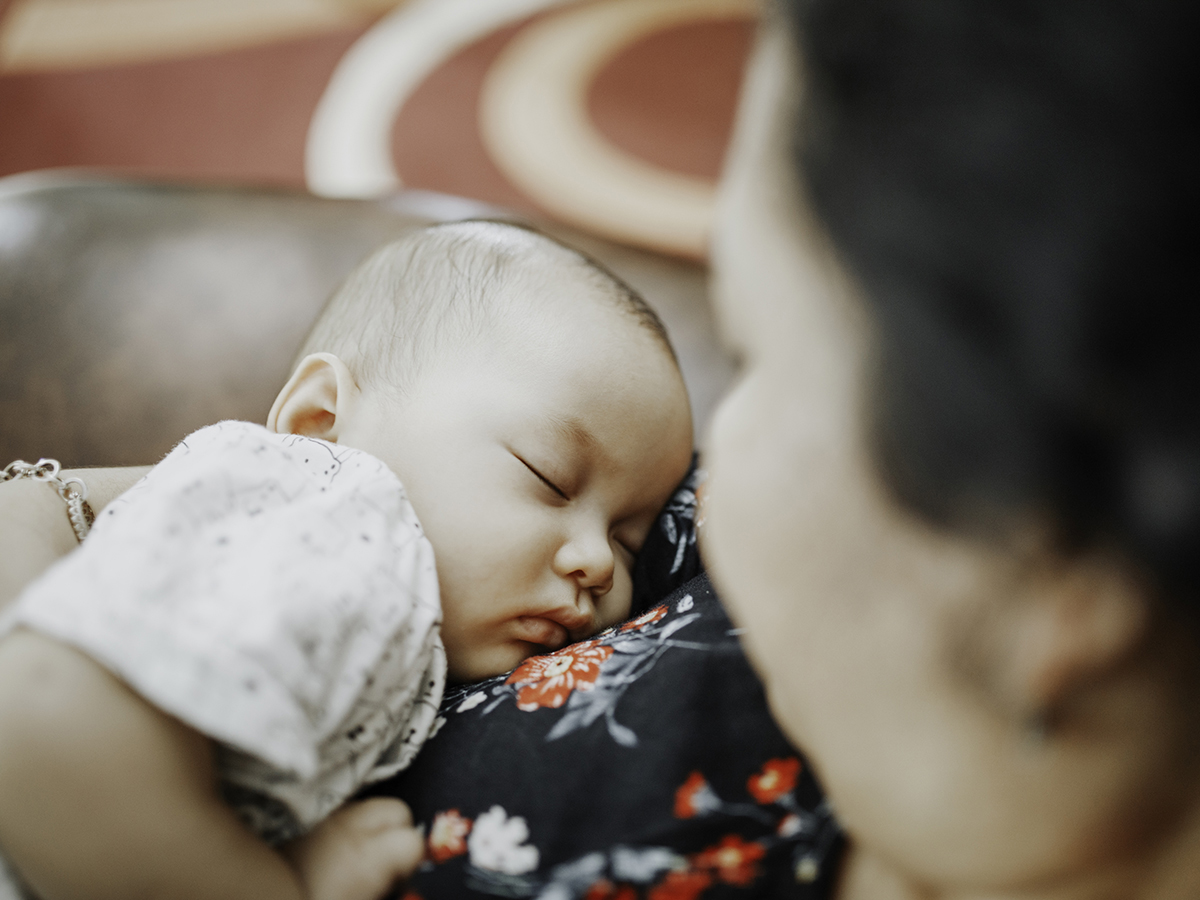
{"points": [[534, 122], [349, 147]]}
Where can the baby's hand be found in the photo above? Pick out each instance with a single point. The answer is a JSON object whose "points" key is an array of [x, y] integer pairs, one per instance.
{"points": [[359, 852]]}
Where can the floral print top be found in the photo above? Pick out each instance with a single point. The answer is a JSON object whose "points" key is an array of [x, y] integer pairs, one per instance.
{"points": [[642, 763]]}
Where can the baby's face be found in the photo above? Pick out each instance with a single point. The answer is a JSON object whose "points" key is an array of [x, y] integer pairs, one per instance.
{"points": [[537, 462]]}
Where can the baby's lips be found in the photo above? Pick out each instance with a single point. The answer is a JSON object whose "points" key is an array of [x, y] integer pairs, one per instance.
{"points": [[538, 630]]}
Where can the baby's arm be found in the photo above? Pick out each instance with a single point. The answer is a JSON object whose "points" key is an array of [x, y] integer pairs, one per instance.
{"points": [[104, 796], [361, 850]]}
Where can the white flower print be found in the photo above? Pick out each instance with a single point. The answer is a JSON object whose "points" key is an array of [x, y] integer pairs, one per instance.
{"points": [[643, 865], [497, 842], [684, 604], [790, 825], [471, 702]]}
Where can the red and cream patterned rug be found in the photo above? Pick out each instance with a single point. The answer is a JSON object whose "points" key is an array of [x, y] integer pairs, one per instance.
{"points": [[609, 115]]}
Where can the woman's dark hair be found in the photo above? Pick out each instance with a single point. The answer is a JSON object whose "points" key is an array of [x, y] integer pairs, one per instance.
{"points": [[1014, 185]]}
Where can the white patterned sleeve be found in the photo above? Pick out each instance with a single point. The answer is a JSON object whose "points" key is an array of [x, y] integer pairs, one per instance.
{"points": [[276, 593]]}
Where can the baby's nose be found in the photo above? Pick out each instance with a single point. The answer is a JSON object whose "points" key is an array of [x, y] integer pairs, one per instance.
{"points": [[589, 561]]}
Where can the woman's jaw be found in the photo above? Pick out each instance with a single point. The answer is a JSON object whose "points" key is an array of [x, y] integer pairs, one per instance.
{"points": [[917, 668]]}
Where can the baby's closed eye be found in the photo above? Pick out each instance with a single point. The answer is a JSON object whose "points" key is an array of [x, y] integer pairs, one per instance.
{"points": [[552, 485]]}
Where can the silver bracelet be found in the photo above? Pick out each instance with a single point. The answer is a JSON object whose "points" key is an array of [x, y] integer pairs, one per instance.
{"points": [[72, 490]]}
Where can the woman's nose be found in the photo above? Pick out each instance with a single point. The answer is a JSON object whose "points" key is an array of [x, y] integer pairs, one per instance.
{"points": [[588, 559]]}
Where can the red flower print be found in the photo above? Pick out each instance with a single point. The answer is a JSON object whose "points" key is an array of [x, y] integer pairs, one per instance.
{"points": [[448, 836], [695, 798], [606, 890], [778, 777], [649, 617], [733, 860], [549, 680], [686, 885]]}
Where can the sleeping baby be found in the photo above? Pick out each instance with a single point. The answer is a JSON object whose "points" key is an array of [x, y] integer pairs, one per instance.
{"points": [[481, 430]]}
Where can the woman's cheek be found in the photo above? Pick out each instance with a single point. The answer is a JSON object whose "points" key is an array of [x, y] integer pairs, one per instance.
{"points": [[737, 520]]}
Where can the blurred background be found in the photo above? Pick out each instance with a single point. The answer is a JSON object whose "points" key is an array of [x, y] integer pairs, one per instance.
{"points": [[601, 114], [181, 145]]}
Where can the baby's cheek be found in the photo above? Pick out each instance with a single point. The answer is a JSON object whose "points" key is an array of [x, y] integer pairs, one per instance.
{"points": [[615, 605]]}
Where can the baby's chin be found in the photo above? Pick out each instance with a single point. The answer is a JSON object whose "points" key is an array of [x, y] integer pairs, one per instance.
{"points": [[496, 661], [527, 636]]}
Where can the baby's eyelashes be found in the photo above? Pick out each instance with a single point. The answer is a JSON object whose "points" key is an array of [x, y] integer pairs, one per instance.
{"points": [[546, 481]]}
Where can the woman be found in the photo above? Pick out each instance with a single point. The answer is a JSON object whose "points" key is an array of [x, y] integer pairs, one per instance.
{"points": [[954, 498], [967, 597]]}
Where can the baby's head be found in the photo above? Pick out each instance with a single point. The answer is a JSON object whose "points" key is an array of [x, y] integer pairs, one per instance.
{"points": [[532, 406]]}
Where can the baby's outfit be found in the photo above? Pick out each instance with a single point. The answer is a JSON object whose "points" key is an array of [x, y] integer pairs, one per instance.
{"points": [[275, 593]]}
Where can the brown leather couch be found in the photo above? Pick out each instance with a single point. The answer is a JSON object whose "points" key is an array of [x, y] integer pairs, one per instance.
{"points": [[132, 313]]}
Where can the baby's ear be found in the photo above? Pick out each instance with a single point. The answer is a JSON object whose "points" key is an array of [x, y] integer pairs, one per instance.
{"points": [[319, 391]]}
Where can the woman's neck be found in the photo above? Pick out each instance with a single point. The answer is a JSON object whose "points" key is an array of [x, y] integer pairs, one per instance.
{"points": [[1167, 869]]}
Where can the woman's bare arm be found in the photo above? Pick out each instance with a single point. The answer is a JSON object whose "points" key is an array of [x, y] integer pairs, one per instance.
{"points": [[104, 796], [34, 529]]}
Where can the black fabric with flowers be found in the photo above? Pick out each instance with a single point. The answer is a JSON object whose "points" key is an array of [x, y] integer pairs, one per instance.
{"points": [[640, 764], [670, 556]]}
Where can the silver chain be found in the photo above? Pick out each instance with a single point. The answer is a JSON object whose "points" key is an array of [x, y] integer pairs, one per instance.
{"points": [[72, 490]]}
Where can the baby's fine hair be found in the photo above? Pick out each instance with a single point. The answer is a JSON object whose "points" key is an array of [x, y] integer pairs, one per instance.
{"points": [[442, 285]]}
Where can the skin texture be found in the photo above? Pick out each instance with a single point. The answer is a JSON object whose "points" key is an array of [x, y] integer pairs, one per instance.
{"points": [[536, 462], [103, 796], [908, 662]]}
